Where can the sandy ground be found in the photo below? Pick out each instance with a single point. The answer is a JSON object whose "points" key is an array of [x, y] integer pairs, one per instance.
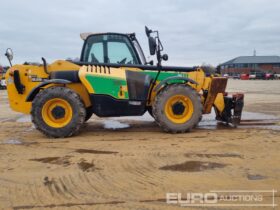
{"points": [[129, 163]]}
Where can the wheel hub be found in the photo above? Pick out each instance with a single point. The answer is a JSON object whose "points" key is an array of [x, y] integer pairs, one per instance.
{"points": [[58, 112], [178, 108]]}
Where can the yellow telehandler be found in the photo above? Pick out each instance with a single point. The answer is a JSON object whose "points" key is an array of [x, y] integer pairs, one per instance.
{"points": [[113, 78]]}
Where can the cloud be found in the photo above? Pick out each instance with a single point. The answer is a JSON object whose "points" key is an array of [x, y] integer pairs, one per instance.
{"points": [[193, 31]]}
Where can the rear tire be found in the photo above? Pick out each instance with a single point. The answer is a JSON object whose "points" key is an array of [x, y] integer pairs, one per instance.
{"points": [[58, 112], [177, 108]]}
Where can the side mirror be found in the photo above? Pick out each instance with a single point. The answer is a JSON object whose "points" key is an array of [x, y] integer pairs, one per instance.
{"points": [[165, 57], [152, 45], [148, 31], [9, 54]]}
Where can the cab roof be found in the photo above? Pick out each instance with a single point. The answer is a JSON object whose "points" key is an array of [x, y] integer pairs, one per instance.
{"points": [[85, 35]]}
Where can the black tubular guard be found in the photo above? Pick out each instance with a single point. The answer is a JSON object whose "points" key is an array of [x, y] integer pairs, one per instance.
{"points": [[19, 86]]}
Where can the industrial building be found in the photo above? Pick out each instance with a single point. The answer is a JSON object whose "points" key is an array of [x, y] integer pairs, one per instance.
{"points": [[247, 64]]}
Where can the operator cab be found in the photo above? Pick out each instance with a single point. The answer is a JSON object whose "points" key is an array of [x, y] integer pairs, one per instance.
{"points": [[112, 48]]}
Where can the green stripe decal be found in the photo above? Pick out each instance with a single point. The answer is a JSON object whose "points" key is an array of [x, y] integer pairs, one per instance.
{"points": [[106, 85], [109, 85], [164, 75]]}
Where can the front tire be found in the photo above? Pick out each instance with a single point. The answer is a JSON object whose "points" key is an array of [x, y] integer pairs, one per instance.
{"points": [[177, 108], [58, 112], [150, 110]]}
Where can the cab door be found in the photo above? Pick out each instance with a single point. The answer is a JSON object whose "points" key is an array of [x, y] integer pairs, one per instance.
{"points": [[118, 91], [109, 48]]}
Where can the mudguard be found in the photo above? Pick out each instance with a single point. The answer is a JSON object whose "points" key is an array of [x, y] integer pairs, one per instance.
{"points": [[165, 81], [36, 89]]}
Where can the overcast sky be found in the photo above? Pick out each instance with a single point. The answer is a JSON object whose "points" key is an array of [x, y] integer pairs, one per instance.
{"points": [[192, 31]]}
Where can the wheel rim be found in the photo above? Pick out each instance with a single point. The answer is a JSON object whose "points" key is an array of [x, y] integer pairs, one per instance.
{"points": [[57, 112], [179, 109]]}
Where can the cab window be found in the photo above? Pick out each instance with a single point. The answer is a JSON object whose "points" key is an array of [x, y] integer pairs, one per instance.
{"points": [[118, 52], [96, 54], [109, 48]]}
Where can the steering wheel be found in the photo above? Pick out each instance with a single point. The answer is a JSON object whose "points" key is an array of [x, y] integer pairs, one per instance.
{"points": [[122, 61], [93, 58]]}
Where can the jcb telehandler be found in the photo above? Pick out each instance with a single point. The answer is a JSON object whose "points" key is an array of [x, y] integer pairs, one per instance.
{"points": [[113, 78]]}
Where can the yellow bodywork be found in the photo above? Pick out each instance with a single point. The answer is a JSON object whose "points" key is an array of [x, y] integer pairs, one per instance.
{"points": [[18, 101], [219, 102], [28, 72]]}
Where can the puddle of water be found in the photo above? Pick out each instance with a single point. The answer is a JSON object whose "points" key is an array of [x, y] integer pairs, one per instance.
{"points": [[210, 155], [46, 160], [258, 116], [54, 160], [146, 118], [12, 141], [193, 166], [91, 151], [31, 128], [249, 120], [85, 166], [4, 119], [113, 124], [24, 119], [255, 177]]}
